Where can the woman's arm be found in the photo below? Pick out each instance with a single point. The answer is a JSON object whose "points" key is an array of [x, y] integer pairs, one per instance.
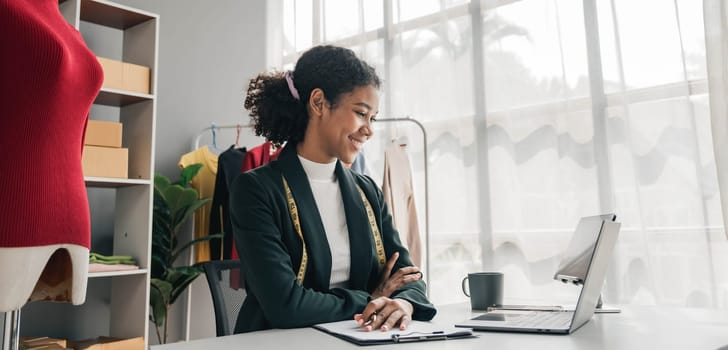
{"points": [[268, 268], [413, 292]]}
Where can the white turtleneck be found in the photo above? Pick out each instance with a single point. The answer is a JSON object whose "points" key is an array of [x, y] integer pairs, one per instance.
{"points": [[327, 193]]}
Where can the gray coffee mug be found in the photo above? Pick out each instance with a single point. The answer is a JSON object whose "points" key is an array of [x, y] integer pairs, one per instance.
{"points": [[486, 289]]}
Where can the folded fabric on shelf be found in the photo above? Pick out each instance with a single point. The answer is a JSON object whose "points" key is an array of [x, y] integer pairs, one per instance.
{"points": [[93, 267], [96, 258]]}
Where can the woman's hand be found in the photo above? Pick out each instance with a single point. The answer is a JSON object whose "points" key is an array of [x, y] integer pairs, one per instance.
{"points": [[390, 282], [385, 314]]}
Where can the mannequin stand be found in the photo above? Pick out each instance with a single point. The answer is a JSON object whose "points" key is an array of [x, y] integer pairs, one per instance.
{"points": [[12, 323]]}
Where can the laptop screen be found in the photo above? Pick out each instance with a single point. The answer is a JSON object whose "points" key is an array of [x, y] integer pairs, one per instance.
{"points": [[576, 259]]}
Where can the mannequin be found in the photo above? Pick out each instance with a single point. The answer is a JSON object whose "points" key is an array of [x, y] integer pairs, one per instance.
{"points": [[49, 81]]}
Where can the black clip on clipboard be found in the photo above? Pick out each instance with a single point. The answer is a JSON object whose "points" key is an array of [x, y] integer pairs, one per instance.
{"points": [[418, 336]]}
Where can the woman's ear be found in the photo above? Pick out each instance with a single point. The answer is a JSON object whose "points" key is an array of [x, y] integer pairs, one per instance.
{"points": [[316, 102]]}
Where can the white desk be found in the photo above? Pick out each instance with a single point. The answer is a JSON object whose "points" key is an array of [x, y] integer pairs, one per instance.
{"points": [[634, 328]]}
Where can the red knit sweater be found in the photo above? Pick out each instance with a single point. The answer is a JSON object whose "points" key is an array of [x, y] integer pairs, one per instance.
{"points": [[48, 81]]}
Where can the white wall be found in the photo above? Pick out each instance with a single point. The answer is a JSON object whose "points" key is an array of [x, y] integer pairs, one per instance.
{"points": [[208, 50]]}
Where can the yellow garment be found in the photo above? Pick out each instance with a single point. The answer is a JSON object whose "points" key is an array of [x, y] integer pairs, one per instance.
{"points": [[204, 183]]}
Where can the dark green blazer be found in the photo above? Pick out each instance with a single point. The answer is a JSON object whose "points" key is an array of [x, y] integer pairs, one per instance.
{"points": [[271, 250]]}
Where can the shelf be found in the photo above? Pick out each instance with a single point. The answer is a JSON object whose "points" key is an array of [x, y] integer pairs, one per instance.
{"points": [[112, 15], [120, 98], [112, 182], [121, 209], [117, 273]]}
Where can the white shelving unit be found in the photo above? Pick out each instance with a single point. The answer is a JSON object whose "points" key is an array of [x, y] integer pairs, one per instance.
{"points": [[117, 303]]}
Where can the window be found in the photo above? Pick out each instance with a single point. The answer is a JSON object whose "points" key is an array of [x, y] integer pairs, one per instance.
{"points": [[530, 129]]}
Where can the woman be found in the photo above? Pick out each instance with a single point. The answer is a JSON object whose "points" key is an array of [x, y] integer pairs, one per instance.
{"points": [[316, 240]]}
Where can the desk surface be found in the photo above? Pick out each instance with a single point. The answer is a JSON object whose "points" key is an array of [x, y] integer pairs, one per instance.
{"points": [[635, 328]]}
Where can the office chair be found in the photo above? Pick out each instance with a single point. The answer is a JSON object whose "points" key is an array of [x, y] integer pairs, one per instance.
{"points": [[227, 298]]}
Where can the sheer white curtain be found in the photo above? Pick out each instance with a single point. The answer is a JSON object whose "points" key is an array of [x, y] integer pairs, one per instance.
{"points": [[539, 112], [716, 38]]}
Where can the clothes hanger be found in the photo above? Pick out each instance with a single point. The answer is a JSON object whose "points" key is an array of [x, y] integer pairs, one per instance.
{"points": [[213, 144], [238, 128], [401, 140], [273, 149]]}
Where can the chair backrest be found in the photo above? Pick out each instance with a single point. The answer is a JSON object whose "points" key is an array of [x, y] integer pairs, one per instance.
{"points": [[227, 289]]}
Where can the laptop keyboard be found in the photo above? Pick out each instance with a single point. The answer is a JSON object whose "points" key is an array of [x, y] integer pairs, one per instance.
{"points": [[544, 320]]}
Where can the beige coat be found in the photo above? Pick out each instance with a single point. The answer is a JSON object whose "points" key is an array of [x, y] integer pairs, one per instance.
{"points": [[399, 195]]}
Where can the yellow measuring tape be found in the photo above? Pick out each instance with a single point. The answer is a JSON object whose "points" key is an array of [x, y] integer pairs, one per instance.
{"points": [[375, 230], [293, 210]]}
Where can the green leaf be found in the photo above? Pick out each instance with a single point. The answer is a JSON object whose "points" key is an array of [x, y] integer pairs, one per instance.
{"points": [[159, 266], [161, 242], [180, 277], [159, 296], [161, 182], [164, 287], [188, 173], [178, 197], [182, 203]]}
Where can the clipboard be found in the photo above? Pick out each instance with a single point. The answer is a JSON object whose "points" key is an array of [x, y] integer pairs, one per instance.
{"points": [[416, 331]]}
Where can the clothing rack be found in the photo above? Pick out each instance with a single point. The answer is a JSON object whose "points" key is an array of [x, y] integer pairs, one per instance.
{"points": [[427, 199], [212, 128]]}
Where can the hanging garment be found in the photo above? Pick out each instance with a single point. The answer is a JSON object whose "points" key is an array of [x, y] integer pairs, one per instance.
{"points": [[399, 195], [228, 167], [48, 81], [260, 155], [204, 183]]}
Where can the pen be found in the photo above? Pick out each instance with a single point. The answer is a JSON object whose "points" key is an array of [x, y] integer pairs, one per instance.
{"points": [[372, 319]]}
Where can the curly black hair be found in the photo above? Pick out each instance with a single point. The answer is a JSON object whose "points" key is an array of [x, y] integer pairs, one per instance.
{"points": [[278, 116]]}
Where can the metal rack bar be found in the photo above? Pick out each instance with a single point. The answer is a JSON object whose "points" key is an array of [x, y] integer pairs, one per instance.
{"points": [[196, 143], [427, 199]]}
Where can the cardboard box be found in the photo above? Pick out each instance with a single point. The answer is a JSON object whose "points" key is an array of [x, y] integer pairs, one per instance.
{"points": [[135, 78], [105, 162], [125, 76], [113, 72], [103, 133], [51, 346], [45, 343], [106, 343]]}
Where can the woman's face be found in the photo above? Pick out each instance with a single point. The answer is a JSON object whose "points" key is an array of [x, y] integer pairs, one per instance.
{"points": [[347, 126]]}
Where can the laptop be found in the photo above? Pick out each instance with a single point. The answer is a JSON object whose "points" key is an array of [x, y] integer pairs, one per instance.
{"points": [[585, 263]]}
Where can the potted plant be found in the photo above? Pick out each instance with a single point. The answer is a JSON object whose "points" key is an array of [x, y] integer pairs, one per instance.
{"points": [[174, 203]]}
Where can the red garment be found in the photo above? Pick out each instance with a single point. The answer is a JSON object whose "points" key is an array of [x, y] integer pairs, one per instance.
{"points": [[255, 157], [260, 155], [48, 81]]}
